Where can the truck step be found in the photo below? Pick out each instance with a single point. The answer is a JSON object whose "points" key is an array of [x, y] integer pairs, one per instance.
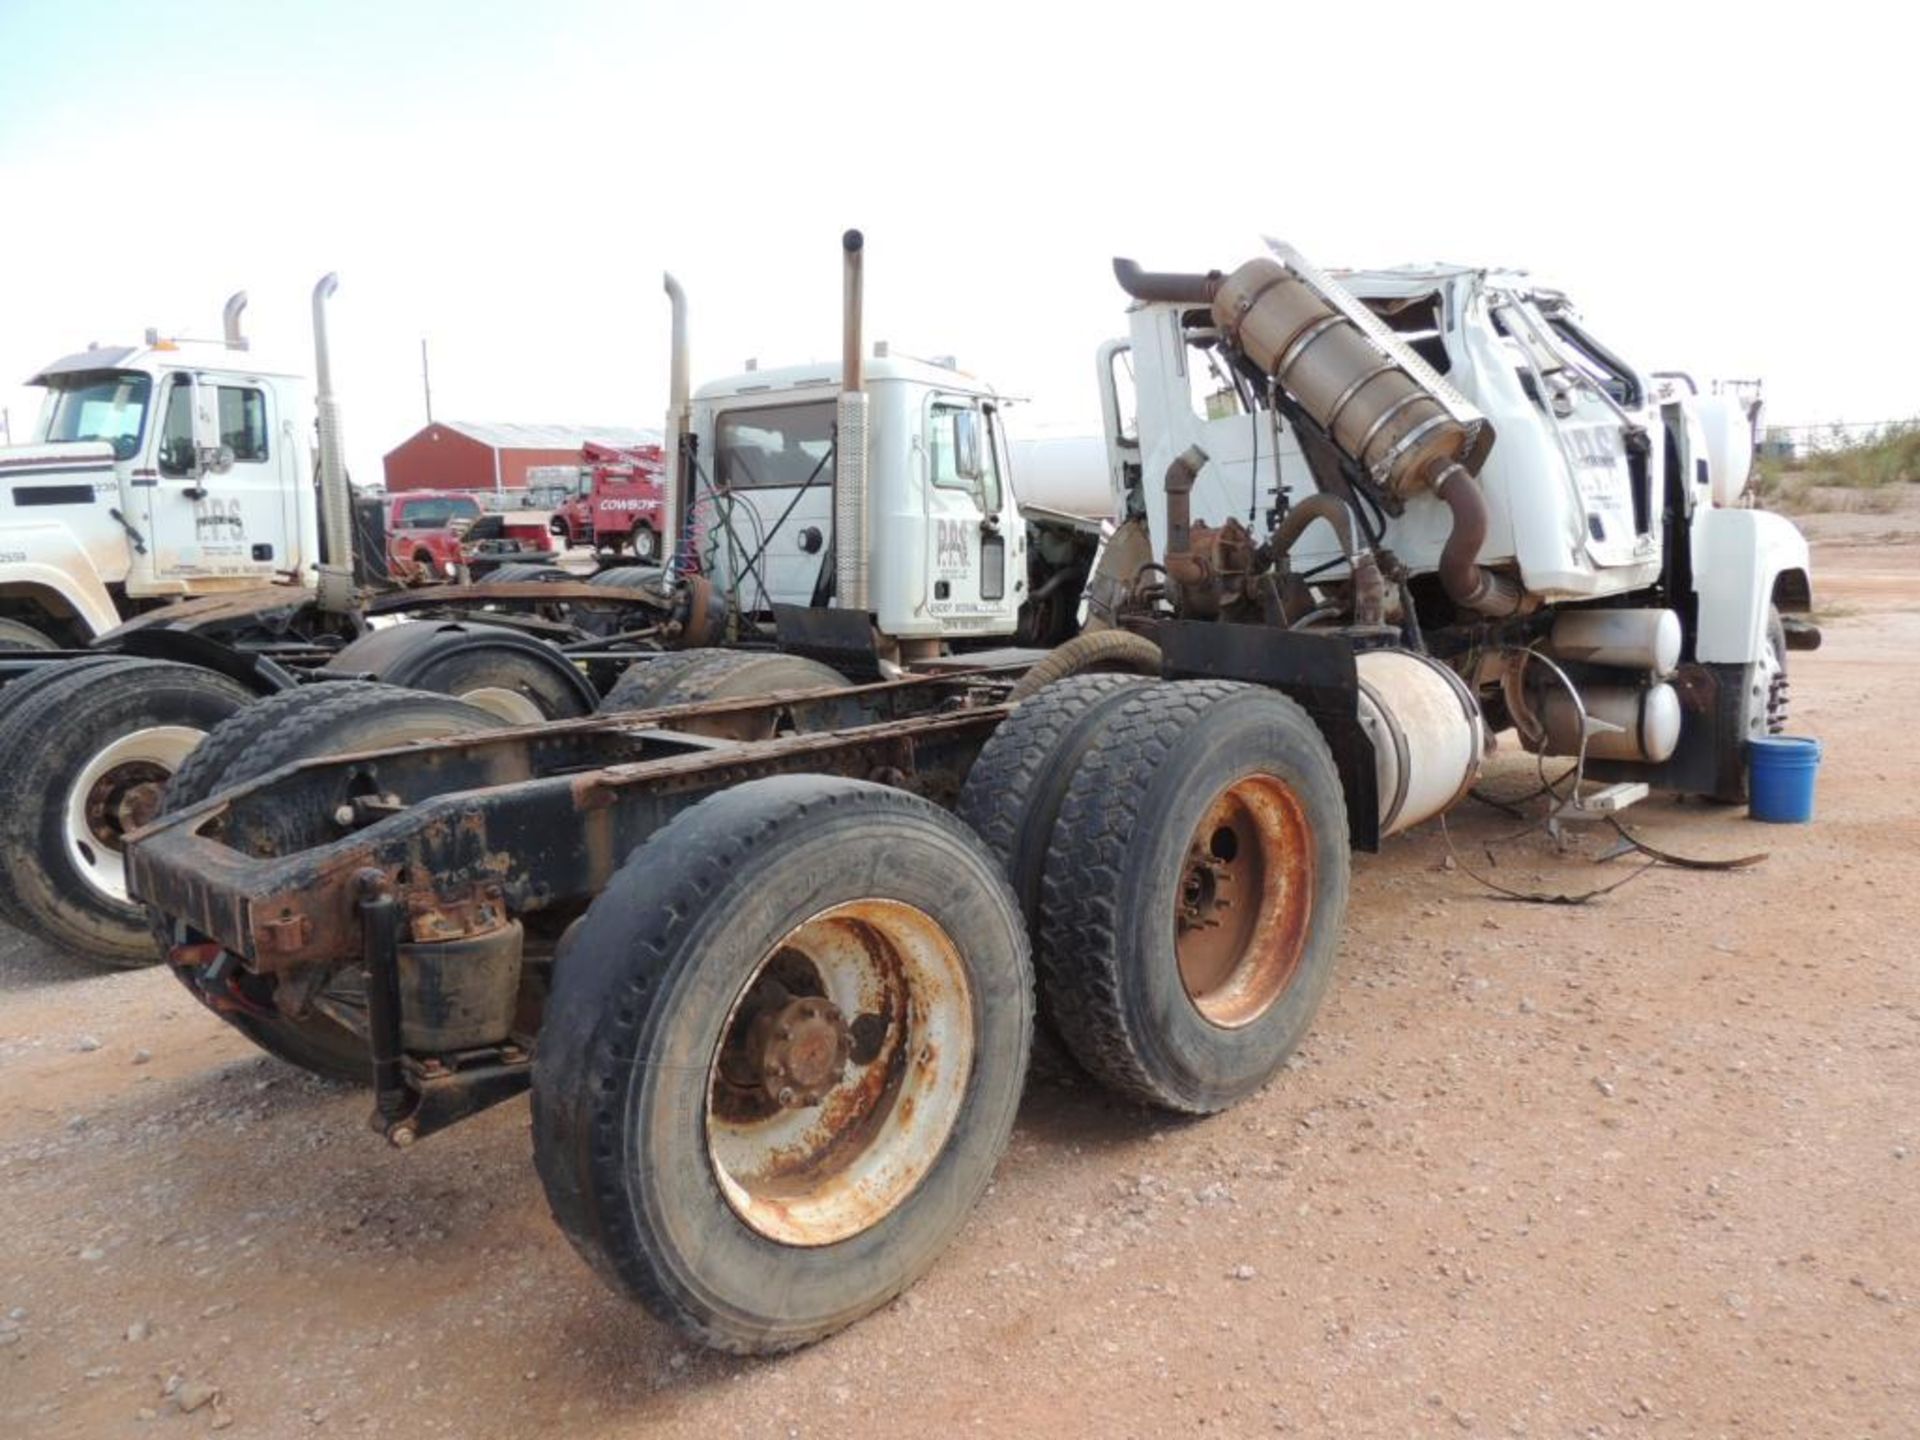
{"points": [[1605, 802]]}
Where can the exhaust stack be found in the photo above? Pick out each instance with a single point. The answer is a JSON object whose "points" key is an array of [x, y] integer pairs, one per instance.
{"points": [[230, 320], [850, 539], [679, 426], [336, 501]]}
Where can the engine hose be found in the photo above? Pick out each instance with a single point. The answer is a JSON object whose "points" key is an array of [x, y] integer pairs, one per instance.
{"points": [[1369, 587], [1468, 583]]}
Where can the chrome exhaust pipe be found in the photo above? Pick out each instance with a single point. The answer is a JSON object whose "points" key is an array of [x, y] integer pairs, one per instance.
{"points": [[230, 320], [335, 593], [850, 514], [679, 427]]}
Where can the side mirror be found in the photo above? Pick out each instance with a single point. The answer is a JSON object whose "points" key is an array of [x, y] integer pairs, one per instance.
{"points": [[210, 455], [966, 445]]}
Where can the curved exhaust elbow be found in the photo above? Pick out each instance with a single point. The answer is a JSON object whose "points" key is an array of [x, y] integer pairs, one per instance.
{"points": [[1468, 583], [1181, 473], [230, 320], [1170, 286]]}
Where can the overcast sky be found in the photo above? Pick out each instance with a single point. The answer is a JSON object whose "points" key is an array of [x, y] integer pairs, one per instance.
{"points": [[1723, 189]]}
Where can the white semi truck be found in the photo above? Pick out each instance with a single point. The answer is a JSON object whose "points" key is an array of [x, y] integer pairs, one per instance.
{"points": [[176, 540], [171, 468], [764, 945]]}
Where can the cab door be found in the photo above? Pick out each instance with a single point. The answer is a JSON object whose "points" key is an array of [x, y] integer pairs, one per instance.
{"points": [[218, 504], [1597, 408], [975, 554]]}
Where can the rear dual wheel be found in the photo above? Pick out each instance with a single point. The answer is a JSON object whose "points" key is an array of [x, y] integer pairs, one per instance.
{"points": [[782, 1055], [1183, 850]]}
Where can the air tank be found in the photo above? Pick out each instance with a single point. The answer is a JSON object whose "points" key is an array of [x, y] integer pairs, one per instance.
{"points": [[1427, 731], [1646, 640], [1644, 721]]}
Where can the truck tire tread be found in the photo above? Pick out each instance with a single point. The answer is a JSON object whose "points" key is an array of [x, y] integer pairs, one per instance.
{"points": [[1088, 930], [615, 989]]}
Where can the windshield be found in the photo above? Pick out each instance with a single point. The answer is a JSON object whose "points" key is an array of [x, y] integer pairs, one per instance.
{"points": [[108, 405], [436, 511]]}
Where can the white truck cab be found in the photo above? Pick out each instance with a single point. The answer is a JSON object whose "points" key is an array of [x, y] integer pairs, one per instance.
{"points": [[1584, 459], [167, 469], [947, 551]]}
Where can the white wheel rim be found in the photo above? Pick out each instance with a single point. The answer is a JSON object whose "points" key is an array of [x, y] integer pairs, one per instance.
{"points": [[98, 800], [814, 1174], [508, 705], [644, 544]]}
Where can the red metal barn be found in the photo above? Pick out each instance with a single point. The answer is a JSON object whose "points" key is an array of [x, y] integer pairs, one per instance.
{"points": [[476, 455]]}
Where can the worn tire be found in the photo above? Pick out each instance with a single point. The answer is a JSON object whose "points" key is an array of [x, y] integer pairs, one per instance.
{"points": [[1113, 886], [1013, 793], [1750, 700], [643, 679], [322, 719], [523, 682], [741, 674], [16, 691], [64, 886], [642, 999], [16, 636], [1108, 651], [627, 577], [523, 572]]}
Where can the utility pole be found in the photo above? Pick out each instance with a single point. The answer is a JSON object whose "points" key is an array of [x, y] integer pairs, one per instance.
{"points": [[426, 384]]}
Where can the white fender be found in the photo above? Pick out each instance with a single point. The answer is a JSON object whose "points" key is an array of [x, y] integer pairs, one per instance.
{"points": [[61, 567], [1737, 557]]}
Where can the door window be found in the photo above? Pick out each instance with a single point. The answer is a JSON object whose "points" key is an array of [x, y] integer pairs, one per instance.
{"points": [[243, 422], [961, 455], [176, 430]]}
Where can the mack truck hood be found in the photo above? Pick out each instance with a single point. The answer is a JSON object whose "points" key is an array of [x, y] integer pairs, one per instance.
{"points": [[41, 471]]}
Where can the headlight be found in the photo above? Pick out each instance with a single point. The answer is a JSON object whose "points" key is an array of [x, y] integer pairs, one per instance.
{"points": [[449, 567]]}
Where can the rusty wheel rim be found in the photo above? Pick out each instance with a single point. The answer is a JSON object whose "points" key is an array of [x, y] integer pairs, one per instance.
{"points": [[1245, 900], [840, 1072], [117, 791]]}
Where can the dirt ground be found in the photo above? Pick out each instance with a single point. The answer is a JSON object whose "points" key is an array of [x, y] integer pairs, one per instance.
{"points": [[1642, 1167]]}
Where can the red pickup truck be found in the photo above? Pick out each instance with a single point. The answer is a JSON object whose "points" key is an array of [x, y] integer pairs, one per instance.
{"points": [[423, 533]]}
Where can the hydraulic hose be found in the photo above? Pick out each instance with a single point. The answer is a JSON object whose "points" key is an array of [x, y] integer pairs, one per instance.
{"points": [[1369, 586]]}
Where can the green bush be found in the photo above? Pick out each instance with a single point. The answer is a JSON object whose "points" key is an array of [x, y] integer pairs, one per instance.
{"points": [[1889, 455]]}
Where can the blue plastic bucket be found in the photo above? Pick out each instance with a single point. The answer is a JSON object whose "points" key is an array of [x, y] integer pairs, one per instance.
{"points": [[1780, 771]]}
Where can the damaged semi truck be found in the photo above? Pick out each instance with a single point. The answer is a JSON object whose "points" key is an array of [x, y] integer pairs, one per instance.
{"points": [[764, 944]]}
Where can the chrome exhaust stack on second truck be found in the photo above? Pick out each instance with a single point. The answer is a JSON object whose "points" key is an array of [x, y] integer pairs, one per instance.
{"points": [[335, 592]]}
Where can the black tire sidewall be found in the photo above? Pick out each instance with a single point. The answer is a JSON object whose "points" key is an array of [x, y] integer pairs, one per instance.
{"points": [[1211, 1066], [1031, 811], [461, 672], [94, 707], [658, 1197]]}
